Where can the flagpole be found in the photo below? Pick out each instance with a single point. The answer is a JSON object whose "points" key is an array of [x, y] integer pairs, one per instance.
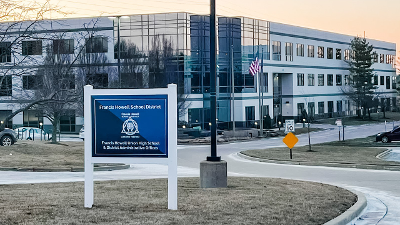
{"points": [[259, 103], [262, 90], [233, 93]]}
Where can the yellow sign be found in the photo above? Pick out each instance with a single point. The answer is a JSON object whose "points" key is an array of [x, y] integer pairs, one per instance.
{"points": [[290, 140]]}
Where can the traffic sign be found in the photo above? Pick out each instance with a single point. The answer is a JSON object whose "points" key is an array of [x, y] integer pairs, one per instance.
{"points": [[339, 122], [290, 140], [289, 126]]}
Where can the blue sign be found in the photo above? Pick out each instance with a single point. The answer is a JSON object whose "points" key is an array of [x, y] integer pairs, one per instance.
{"points": [[129, 126]]}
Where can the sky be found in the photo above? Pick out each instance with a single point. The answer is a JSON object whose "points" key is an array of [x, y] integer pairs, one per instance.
{"points": [[378, 19]]}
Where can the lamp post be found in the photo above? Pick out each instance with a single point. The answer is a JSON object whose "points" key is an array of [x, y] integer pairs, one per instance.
{"points": [[213, 171], [41, 129], [304, 122], [279, 125]]}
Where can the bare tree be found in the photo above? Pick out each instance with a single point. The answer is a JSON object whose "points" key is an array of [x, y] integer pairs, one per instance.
{"points": [[19, 21]]}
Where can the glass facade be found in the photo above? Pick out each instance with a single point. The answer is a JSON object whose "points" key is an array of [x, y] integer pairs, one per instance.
{"points": [[159, 49]]}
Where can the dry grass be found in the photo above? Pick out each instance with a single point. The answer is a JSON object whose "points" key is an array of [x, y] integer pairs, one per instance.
{"points": [[361, 151], [245, 201], [42, 154]]}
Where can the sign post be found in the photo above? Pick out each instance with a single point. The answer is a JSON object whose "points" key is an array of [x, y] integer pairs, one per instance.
{"points": [[131, 126], [338, 122], [290, 140]]}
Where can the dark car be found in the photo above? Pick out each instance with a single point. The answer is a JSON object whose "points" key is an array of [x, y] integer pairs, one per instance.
{"points": [[393, 135], [7, 137]]}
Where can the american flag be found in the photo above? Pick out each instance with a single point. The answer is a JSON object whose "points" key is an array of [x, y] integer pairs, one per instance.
{"points": [[254, 67]]}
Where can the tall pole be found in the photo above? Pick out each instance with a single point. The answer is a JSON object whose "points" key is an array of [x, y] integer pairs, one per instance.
{"points": [[119, 49], [259, 102], [233, 93], [213, 82], [262, 92]]}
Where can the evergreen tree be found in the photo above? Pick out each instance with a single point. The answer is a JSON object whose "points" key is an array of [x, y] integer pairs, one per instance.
{"points": [[362, 88]]}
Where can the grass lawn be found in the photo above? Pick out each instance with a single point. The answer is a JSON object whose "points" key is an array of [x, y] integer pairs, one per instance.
{"points": [[245, 201], [41, 154], [375, 118], [360, 153]]}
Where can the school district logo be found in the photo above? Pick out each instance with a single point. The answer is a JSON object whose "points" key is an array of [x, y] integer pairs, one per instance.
{"points": [[130, 127]]}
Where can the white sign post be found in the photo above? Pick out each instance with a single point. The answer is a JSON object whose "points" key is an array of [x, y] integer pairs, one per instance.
{"points": [[131, 131], [289, 126]]}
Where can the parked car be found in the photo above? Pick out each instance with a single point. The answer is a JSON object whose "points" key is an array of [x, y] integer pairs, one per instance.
{"points": [[82, 133], [7, 137], [28, 133], [393, 135]]}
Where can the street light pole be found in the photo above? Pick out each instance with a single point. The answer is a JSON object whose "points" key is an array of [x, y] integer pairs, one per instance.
{"points": [[213, 171], [213, 82], [119, 49]]}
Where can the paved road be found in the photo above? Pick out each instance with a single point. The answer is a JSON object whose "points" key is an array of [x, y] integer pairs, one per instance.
{"points": [[382, 188]]}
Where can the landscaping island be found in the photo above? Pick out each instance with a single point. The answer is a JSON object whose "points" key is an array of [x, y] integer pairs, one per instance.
{"points": [[245, 201], [355, 153]]}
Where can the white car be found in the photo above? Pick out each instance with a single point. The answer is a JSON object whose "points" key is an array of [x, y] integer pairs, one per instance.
{"points": [[82, 133]]}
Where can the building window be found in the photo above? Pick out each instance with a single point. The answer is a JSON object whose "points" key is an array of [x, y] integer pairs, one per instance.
{"points": [[32, 47], [96, 45], [32, 118], [6, 85], [300, 50], [375, 79], [393, 82], [338, 53], [321, 108], [387, 82], [329, 53], [63, 46], [388, 59], [311, 51], [311, 110], [32, 82], [338, 80], [321, 80], [330, 80], [67, 121], [347, 54], [67, 81], [320, 52], [250, 115], [97, 80], [382, 80], [289, 51], [300, 79], [382, 58], [300, 108], [131, 80], [276, 50], [310, 79], [5, 51], [339, 107], [346, 80], [375, 57], [3, 116]]}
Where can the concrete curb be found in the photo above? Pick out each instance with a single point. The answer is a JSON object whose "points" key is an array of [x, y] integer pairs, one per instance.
{"points": [[332, 164], [352, 213], [105, 167]]}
